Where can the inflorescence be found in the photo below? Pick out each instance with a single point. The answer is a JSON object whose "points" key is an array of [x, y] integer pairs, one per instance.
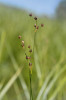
{"points": [[28, 57], [35, 25], [22, 41], [30, 50]]}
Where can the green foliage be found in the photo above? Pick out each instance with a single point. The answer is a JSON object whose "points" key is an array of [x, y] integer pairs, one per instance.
{"points": [[49, 68]]}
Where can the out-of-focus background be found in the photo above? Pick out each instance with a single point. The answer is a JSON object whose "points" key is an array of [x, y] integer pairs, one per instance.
{"points": [[49, 61]]}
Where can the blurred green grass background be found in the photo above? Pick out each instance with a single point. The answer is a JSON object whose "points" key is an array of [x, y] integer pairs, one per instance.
{"points": [[50, 56]]}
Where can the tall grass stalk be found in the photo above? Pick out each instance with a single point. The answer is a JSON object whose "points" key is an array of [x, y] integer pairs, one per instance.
{"points": [[10, 83], [57, 66], [15, 65], [3, 36], [36, 55], [31, 95], [28, 58], [58, 89], [51, 84]]}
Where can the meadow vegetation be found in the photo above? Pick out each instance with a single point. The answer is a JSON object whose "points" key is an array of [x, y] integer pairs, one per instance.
{"points": [[49, 61]]}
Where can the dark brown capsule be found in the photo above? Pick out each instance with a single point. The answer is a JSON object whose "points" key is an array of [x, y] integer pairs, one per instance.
{"points": [[19, 37], [22, 45], [28, 46], [30, 50], [42, 25], [28, 57], [30, 64], [30, 15], [35, 18], [35, 25]]}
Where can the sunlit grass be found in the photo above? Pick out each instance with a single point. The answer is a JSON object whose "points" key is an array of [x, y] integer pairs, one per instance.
{"points": [[48, 82]]}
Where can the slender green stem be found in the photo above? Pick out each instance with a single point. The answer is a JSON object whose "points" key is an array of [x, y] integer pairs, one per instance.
{"points": [[30, 75], [34, 39], [31, 96], [30, 87]]}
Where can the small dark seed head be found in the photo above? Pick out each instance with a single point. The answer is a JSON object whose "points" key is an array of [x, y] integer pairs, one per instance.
{"points": [[28, 57], [35, 25], [35, 18], [19, 37], [42, 25], [30, 64], [22, 45], [30, 50], [29, 46], [30, 15]]}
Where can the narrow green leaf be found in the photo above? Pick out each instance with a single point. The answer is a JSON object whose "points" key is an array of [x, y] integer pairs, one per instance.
{"points": [[3, 35], [16, 87], [10, 83], [15, 65], [37, 63], [62, 83], [50, 75], [53, 82]]}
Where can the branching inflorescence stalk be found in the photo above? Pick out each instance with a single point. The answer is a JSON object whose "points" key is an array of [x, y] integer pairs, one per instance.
{"points": [[28, 57]]}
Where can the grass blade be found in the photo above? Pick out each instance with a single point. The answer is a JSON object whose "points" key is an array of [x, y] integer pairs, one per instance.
{"points": [[10, 83], [50, 75], [19, 97], [62, 83], [23, 84], [2, 43], [53, 82], [37, 63]]}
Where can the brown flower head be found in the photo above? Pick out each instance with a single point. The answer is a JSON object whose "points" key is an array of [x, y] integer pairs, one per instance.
{"points": [[42, 25], [22, 45], [30, 14], [28, 46], [30, 64], [35, 25], [35, 18], [28, 57], [19, 36], [30, 50]]}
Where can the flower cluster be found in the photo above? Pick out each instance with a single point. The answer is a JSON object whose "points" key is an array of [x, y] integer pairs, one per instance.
{"points": [[35, 25], [29, 49], [28, 57]]}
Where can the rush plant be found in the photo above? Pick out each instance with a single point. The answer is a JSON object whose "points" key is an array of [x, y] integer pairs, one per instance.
{"points": [[28, 57]]}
